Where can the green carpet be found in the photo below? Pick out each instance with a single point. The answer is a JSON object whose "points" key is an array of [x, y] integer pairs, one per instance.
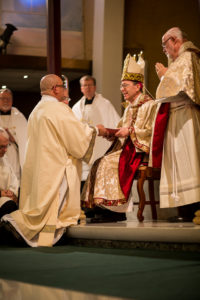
{"points": [[138, 274]]}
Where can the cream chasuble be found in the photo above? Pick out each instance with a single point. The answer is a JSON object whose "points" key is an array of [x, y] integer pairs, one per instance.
{"points": [[56, 143]]}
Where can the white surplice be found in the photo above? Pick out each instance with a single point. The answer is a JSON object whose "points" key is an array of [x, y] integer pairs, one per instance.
{"points": [[101, 111], [16, 123], [8, 180]]}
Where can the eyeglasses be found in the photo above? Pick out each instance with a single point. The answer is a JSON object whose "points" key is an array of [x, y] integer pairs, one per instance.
{"points": [[65, 81], [60, 85], [4, 147], [165, 42], [124, 85], [87, 85]]}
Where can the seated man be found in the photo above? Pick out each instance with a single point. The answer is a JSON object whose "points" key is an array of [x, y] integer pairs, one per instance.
{"points": [[109, 183], [8, 180]]}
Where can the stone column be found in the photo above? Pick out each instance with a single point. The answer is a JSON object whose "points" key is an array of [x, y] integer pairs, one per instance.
{"points": [[108, 48]]}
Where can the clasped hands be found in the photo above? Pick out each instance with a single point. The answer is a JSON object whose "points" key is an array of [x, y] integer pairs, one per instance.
{"points": [[9, 194]]}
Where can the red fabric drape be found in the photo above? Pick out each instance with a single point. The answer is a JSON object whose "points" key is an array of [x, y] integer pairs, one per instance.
{"points": [[159, 133], [128, 164]]}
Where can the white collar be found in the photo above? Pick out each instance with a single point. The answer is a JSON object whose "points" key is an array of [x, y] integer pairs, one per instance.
{"points": [[48, 98]]}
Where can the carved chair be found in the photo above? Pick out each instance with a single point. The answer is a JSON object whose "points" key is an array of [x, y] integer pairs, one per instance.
{"points": [[146, 173]]}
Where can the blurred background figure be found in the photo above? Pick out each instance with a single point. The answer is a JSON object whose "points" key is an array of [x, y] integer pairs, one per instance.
{"points": [[15, 124], [94, 109], [8, 181]]}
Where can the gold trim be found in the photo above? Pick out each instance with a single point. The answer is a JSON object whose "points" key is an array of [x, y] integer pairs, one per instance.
{"points": [[49, 229], [89, 151], [133, 77], [196, 72], [108, 203]]}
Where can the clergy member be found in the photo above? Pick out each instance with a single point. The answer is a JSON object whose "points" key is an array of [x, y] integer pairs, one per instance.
{"points": [[50, 189], [179, 91], [8, 181], [109, 183], [94, 109], [14, 122]]}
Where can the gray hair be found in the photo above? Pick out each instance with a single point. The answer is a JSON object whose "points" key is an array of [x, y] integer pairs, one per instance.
{"points": [[87, 78], [176, 32]]}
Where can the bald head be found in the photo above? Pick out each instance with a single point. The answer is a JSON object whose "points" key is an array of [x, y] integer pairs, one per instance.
{"points": [[7, 91], [48, 82], [53, 85]]}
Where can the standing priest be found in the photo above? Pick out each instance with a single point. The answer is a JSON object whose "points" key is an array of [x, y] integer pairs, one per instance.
{"points": [[179, 94]]}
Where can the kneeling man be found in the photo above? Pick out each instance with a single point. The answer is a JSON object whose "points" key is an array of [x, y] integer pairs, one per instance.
{"points": [[50, 188]]}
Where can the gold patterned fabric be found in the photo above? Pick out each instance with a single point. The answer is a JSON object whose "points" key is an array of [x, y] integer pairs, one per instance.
{"points": [[182, 75], [133, 70], [103, 187], [180, 171], [134, 77]]}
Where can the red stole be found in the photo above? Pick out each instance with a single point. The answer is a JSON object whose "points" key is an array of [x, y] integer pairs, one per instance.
{"points": [[128, 164], [159, 133]]}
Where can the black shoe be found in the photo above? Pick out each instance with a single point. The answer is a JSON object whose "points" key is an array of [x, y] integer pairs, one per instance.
{"points": [[179, 219], [8, 207], [92, 212], [112, 218], [12, 233], [89, 213]]}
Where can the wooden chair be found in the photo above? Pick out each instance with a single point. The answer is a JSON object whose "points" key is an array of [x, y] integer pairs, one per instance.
{"points": [[146, 173]]}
